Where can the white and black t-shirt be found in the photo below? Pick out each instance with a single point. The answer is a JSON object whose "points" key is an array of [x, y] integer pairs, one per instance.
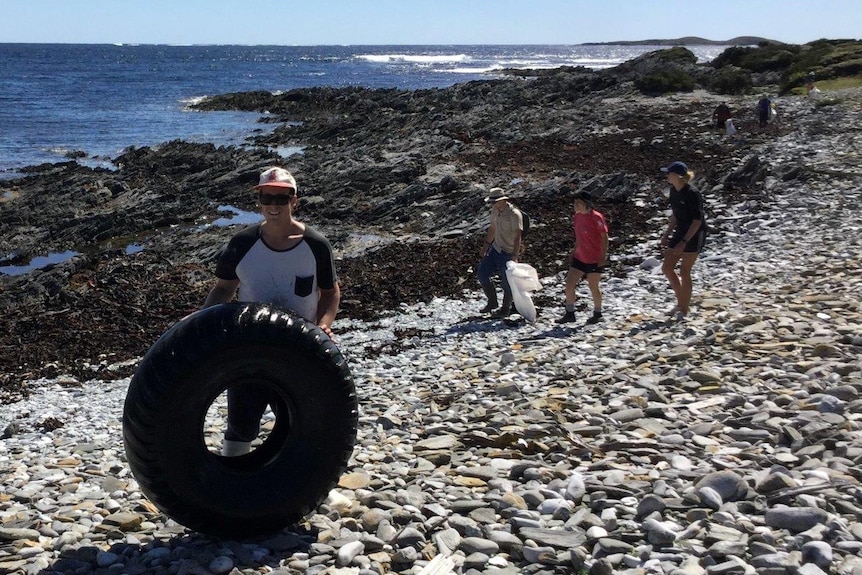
{"points": [[287, 278]]}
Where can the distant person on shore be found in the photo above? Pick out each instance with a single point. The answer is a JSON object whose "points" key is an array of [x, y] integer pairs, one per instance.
{"points": [[763, 107], [588, 258], [811, 89], [684, 236], [281, 261], [721, 115], [502, 244], [809, 82]]}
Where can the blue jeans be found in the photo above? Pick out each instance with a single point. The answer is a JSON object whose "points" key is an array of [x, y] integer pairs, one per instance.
{"points": [[495, 262]]}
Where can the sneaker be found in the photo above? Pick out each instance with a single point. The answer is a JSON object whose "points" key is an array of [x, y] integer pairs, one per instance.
{"points": [[569, 317], [488, 308], [595, 318], [235, 448], [502, 312]]}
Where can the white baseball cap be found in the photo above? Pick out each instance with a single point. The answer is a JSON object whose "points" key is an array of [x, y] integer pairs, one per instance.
{"points": [[276, 178]]}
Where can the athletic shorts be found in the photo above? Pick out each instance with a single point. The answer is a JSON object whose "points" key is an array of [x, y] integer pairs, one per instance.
{"points": [[695, 246], [585, 267]]}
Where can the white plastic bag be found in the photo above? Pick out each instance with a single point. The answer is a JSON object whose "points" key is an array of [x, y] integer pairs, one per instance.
{"points": [[731, 129], [523, 278]]}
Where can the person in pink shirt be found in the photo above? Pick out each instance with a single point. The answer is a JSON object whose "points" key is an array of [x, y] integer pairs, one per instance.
{"points": [[588, 258]]}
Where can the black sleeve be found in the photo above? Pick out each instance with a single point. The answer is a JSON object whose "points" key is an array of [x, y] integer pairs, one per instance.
{"points": [[696, 206], [322, 250], [235, 250]]}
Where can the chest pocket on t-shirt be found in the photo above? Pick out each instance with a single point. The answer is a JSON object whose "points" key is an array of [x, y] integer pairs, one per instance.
{"points": [[303, 286]]}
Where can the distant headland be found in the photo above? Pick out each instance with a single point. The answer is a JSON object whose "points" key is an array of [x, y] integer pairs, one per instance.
{"points": [[688, 41]]}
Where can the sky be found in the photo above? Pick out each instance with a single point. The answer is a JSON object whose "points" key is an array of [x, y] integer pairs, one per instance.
{"points": [[327, 22]]}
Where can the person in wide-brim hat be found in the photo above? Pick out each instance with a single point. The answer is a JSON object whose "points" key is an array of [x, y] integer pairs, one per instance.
{"points": [[502, 244], [496, 195]]}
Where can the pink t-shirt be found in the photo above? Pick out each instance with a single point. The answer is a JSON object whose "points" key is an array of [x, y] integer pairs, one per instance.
{"points": [[589, 229]]}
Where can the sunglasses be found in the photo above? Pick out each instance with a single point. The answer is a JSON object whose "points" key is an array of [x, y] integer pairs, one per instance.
{"points": [[276, 199]]}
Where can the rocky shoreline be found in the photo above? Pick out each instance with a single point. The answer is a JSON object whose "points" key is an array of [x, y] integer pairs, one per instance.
{"points": [[378, 164], [728, 443]]}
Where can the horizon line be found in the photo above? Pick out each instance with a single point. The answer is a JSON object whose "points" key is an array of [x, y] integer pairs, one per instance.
{"points": [[657, 41]]}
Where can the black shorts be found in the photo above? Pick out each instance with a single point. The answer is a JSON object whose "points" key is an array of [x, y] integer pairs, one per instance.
{"points": [[585, 267], [694, 246]]}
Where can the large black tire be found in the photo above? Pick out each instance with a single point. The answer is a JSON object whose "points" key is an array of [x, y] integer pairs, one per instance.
{"points": [[305, 453]]}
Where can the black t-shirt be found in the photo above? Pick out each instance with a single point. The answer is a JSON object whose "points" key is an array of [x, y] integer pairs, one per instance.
{"points": [[687, 206]]}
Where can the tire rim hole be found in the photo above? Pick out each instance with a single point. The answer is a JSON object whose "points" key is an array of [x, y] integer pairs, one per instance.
{"points": [[216, 424]]}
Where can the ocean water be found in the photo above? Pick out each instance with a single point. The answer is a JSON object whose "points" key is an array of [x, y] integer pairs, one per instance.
{"points": [[94, 101]]}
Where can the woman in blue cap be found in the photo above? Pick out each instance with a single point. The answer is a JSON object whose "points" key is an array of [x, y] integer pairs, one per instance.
{"points": [[684, 236]]}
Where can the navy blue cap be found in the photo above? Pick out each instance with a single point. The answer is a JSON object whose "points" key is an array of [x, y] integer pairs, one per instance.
{"points": [[676, 168]]}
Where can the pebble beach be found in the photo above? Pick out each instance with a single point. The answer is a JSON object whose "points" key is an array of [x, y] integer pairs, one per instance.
{"points": [[726, 443]]}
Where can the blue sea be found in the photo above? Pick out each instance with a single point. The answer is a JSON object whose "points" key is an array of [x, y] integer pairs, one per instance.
{"points": [[61, 99]]}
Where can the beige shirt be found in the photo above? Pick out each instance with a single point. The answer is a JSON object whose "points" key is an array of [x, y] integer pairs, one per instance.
{"points": [[506, 222]]}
